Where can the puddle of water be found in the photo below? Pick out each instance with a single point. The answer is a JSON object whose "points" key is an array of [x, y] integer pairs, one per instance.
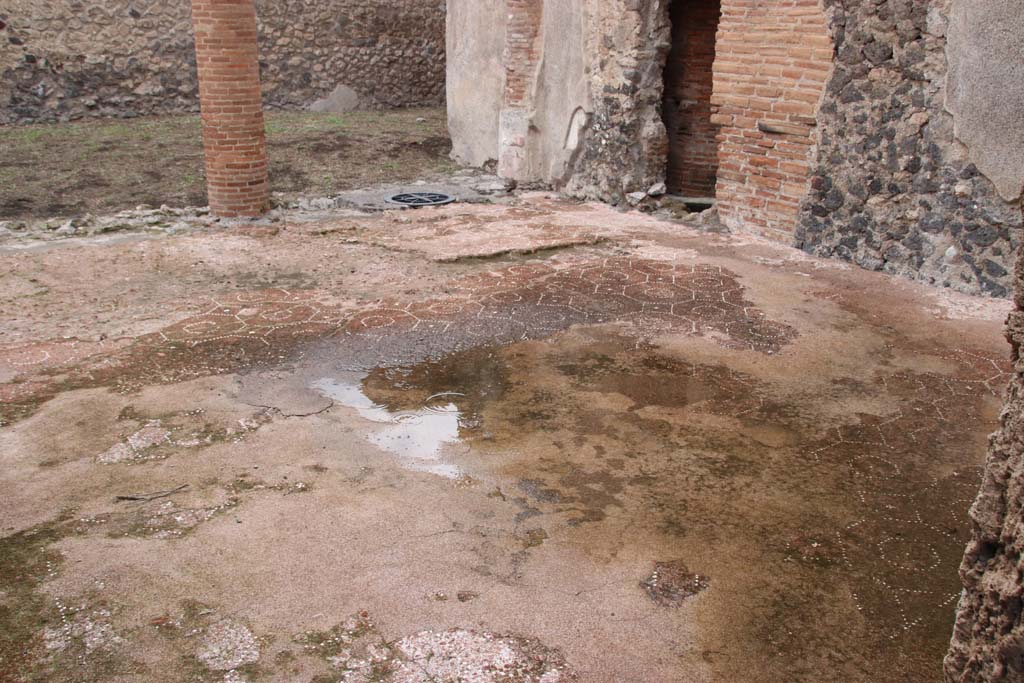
{"points": [[585, 431], [424, 413], [418, 438]]}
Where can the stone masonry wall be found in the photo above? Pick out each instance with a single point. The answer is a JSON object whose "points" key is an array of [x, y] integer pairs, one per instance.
{"points": [[65, 59], [988, 640], [892, 189]]}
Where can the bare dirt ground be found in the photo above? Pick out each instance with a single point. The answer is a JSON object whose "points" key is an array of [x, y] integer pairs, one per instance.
{"points": [[105, 166], [354, 448]]}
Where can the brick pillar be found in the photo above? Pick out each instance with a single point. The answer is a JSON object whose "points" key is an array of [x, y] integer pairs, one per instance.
{"points": [[232, 109]]}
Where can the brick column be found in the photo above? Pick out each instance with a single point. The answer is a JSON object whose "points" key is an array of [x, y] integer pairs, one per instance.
{"points": [[232, 109]]}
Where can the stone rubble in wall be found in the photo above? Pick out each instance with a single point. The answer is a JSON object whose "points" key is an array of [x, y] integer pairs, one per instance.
{"points": [[128, 58], [892, 190]]}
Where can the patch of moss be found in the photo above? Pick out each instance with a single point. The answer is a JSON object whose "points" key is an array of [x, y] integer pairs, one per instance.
{"points": [[26, 615], [26, 560], [339, 639], [14, 412]]}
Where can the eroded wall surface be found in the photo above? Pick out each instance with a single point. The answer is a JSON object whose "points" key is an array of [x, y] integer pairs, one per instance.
{"points": [[67, 59], [562, 92], [624, 147], [987, 48], [582, 106], [893, 189], [988, 641], [476, 72]]}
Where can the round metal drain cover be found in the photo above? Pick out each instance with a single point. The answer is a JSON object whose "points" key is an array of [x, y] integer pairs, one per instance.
{"points": [[421, 199]]}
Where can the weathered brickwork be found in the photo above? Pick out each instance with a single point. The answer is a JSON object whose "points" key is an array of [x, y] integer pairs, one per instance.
{"points": [[62, 59], [234, 137], [522, 49], [772, 62], [693, 145], [523, 35], [892, 190]]}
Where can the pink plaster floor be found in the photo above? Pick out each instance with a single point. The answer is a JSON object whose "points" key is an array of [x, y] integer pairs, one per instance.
{"points": [[532, 441]]}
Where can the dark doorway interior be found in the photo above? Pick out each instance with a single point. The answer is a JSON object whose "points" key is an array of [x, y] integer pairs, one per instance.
{"points": [[693, 150]]}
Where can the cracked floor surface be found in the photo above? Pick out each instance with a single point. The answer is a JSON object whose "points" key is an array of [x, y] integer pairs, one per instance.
{"points": [[531, 441]]}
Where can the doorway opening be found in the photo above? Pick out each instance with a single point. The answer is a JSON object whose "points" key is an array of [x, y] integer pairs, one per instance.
{"points": [[686, 109]]}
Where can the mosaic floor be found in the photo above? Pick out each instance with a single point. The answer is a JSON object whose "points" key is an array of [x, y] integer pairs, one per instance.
{"points": [[660, 455], [494, 307]]}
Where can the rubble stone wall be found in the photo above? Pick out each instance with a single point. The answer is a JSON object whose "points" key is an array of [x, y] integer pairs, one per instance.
{"points": [[64, 59], [988, 640], [893, 189]]}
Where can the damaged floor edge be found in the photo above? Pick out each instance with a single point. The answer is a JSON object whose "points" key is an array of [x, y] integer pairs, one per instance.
{"points": [[656, 455]]}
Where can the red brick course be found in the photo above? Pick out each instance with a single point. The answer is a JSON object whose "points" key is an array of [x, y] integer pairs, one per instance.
{"points": [[772, 62], [232, 109], [522, 49]]}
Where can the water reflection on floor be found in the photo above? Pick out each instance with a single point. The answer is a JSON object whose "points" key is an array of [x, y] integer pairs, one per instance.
{"points": [[861, 524], [419, 438]]}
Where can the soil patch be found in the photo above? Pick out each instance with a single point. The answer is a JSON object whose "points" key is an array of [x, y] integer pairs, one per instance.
{"points": [[97, 167]]}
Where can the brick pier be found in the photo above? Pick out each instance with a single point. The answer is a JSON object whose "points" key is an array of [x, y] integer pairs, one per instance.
{"points": [[232, 109]]}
